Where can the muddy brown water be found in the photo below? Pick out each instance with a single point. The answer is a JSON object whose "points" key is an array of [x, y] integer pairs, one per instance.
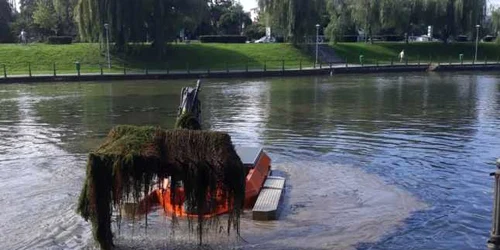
{"points": [[372, 162]]}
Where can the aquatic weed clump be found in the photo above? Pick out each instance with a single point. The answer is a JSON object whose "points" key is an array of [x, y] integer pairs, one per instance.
{"points": [[133, 160]]}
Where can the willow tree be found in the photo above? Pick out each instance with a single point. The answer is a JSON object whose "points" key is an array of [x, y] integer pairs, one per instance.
{"points": [[495, 22], [296, 17], [366, 14], [131, 21], [340, 19]]}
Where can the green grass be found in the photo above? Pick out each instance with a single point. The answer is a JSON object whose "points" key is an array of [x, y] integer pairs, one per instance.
{"points": [[41, 57], [384, 52]]}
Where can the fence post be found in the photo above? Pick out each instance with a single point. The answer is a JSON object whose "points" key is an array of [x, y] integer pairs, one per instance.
{"points": [[493, 242], [147, 71], [346, 63], [124, 69], [4, 71], [300, 65], [283, 66], [77, 65], [246, 66], [265, 66], [29, 69], [54, 68], [485, 60], [100, 66]]}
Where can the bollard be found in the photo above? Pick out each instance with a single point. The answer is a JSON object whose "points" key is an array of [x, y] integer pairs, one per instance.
{"points": [[449, 60], [246, 66], [494, 241], [265, 66], [77, 65], [300, 65], [418, 59], [461, 57], [102, 72], [29, 69], [283, 66], [147, 71], [485, 60], [392, 61], [227, 68], [124, 69], [346, 63], [376, 62], [361, 60], [54, 68], [320, 65], [4, 71]]}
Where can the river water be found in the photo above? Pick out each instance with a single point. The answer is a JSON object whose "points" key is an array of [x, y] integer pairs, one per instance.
{"points": [[372, 161]]}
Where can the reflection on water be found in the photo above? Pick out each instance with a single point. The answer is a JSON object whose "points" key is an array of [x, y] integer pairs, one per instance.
{"points": [[373, 162]]}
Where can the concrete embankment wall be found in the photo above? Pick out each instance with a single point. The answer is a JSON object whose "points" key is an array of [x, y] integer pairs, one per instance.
{"points": [[338, 69]]}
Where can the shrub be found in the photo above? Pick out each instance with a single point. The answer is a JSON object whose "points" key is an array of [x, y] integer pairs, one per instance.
{"points": [[60, 40], [223, 39]]}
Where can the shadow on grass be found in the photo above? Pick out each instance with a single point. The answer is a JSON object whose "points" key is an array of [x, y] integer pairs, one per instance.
{"points": [[207, 57]]}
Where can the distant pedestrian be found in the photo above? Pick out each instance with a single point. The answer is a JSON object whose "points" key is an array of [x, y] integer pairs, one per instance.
{"points": [[401, 55], [23, 37]]}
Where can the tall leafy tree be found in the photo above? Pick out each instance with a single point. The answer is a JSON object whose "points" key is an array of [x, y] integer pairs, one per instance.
{"points": [[131, 20], [340, 19], [45, 16], [5, 19], [296, 18]]}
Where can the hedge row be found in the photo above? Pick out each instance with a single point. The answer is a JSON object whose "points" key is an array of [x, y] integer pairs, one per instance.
{"points": [[223, 39], [60, 40]]}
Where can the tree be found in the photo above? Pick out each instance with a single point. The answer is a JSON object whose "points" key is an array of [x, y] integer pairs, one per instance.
{"points": [[45, 16], [495, 22], [296, 18], [65, 14], [131, 20], [340, 19], [5, 19], [231, 21]]}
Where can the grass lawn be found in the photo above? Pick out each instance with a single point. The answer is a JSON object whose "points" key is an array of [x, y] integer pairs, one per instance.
{"points": [[41, 57], [384, 52]]}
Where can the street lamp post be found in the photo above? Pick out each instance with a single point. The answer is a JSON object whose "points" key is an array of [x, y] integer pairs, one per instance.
{"points": [[477, 41], [106, 26], [317, 43]]}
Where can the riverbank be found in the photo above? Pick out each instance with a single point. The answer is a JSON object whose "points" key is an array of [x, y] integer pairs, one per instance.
{"points": [[385, 52], [43, 58], [251, 73]]}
